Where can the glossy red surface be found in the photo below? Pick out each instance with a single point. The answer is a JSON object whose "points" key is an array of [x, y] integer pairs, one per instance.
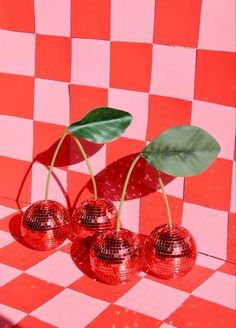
{"points": [[45, 226], [94, 215], [115, 257], [170, 253]]}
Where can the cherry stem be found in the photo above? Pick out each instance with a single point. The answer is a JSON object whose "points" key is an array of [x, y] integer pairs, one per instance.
{"points": [[165, 199], [88, 166], [52, 164], [124, 191]]}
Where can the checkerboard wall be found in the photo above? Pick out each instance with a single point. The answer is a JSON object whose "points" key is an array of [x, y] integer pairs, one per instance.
{"points": [[166, 62]]}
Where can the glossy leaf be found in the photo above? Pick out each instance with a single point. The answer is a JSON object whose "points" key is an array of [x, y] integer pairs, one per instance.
{"points": [[101, 125], [181, 151]]}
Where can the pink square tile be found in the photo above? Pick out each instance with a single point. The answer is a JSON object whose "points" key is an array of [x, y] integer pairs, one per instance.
{"points": [[39, 176], [173, 71], [17, 51], [130, 214], [175, 187], [70, 309], [233, 187], [153, 299], [219, 289], [5, 238], [8, 273], [209, 262], [214, 119], [208, 227], [50, 269], [52, 17], [132, 20], [10, 316], [17, 142], [51, 102], [217, 27], [166, 325], [5, 211], [97, 162], [137, 104], [90, 62]]}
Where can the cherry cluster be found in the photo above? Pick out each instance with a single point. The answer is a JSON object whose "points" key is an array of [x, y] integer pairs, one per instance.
{"points": [[116, 254]]}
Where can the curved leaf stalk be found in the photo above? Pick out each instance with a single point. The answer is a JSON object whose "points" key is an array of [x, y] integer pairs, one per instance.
{"points": [[52, 164], [165, 199], [124, 190], [88, 166]]}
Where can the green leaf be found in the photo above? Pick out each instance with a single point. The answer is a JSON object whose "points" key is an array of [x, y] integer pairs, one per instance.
{"points": [[101, 125], [182, 151]]}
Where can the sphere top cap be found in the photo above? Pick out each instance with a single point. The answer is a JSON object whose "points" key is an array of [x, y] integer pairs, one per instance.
{"points": [[175, 232], [175, 239], [95, 211], [111, 240], [44, 215]]}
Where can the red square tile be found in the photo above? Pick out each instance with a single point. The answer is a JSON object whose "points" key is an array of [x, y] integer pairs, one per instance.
{"points": [[15, 180], [119, 156], [90, 19], [11, 223], [231, 250], [66, 248], [96, 289], [44, 147], [22, 87], [130, 66], [228, 268], [17, 15], [123, 147], [165, 112], [188, 283], [21, 257], [197, 312], [29, 322], [212, 187], [83, 99], [123, 318], [215, 80], [53, 57], [77, 190], [153, 212], [177, 22], [27, 293]]}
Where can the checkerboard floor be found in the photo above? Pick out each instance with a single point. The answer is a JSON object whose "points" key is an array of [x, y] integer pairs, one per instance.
{"points": [[48, 289], [166, 62]]}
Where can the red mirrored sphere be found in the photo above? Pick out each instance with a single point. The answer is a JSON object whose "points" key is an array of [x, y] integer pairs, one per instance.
{"points": [[170, 253], [45, 225], [115, 257], [94, 215]]}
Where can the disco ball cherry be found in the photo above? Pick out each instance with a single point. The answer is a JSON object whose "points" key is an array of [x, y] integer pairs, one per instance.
{"points": [[94, 215], [170, 252], [45, 225], [115, 257]]}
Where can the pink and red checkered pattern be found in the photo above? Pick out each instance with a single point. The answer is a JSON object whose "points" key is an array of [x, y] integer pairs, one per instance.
{"points": [[167, 63]]}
